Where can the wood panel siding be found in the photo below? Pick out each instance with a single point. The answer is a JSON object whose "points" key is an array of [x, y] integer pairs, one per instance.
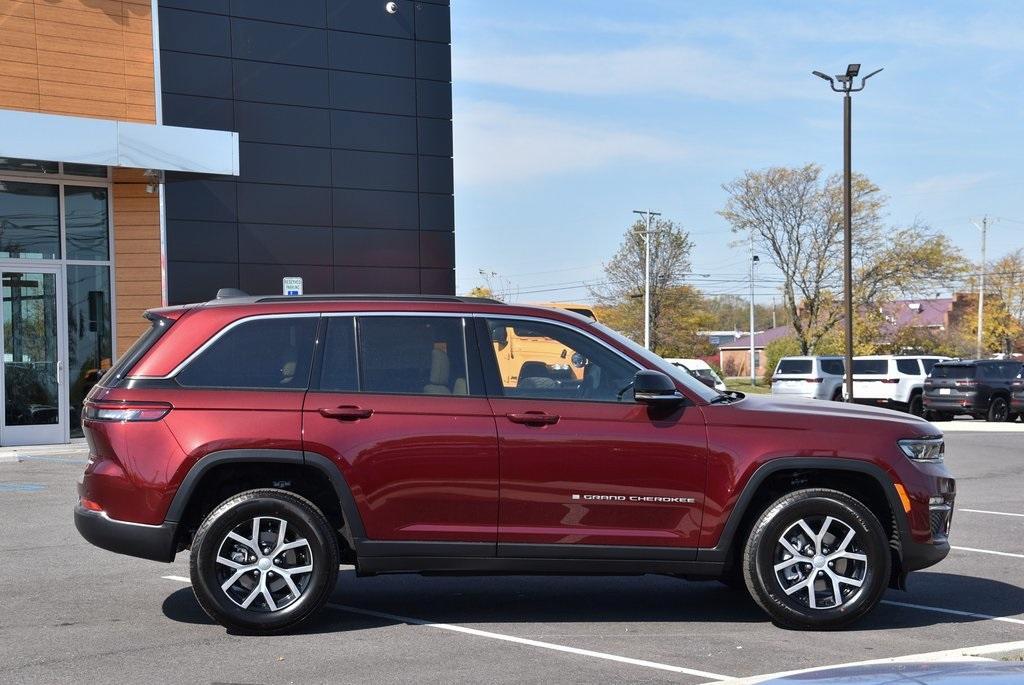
{"points": [[137, 267], [91, 58]]}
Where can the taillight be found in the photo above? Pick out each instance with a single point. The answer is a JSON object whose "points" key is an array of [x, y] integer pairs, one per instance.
{"points": [[813, 380], [126, 411], [966, 383], [890, 380]]}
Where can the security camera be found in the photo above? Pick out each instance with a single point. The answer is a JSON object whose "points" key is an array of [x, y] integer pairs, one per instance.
{"points": [[391, 8]]}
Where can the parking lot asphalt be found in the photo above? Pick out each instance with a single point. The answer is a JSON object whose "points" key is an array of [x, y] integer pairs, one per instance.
{"points": [[72, 613]]}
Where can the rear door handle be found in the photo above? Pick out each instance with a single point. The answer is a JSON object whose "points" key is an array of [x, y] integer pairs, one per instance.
{"points": [[345, 413], [533, 418]]}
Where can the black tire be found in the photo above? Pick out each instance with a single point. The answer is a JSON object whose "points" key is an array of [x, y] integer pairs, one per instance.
{"points": [[304, 521], [998, 410], [916, 405], [940, 416], [761, 554], [837, 396]]}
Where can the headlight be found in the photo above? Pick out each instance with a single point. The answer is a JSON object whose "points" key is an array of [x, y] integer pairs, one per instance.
{"points": [[923, 449]]}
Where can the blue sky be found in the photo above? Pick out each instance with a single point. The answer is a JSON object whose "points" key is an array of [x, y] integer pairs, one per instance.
{"points": [[569, 115]]}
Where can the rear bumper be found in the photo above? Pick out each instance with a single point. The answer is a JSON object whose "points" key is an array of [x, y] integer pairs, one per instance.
{"points": [[134, 539], [951, 405]]}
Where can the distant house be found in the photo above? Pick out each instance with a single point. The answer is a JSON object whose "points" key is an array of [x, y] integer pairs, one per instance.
{"points": [[734, 356]]}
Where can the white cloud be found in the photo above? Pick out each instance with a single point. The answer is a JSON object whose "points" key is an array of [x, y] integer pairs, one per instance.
{"points": [[497, 143], [668, 70], [948, 183]]}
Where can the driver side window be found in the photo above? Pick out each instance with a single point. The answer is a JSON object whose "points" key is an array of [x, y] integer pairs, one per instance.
{"points": [[545, 361]]}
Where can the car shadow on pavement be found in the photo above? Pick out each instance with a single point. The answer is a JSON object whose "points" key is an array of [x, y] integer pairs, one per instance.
{"points": [[608, 599]]}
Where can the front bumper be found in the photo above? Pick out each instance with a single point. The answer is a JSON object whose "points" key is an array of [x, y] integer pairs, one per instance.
{"points": [[134, 539]]}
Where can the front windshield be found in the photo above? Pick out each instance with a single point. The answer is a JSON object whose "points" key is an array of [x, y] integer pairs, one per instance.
{"points": [[679, 373]]}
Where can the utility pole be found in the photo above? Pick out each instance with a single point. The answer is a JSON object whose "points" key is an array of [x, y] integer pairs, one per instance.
{"points": [[774, 325], [649, 216], [846, 88], [754, 259], [981, 285]]}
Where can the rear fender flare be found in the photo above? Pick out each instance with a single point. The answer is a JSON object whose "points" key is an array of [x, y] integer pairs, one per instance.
{"points": [[353, 521]]}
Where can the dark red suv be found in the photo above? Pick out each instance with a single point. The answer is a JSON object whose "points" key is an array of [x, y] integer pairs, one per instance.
{"points": [[279, 437]]}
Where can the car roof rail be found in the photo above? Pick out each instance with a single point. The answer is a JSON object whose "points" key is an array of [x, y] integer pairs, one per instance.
{"points": [[377, 298]]}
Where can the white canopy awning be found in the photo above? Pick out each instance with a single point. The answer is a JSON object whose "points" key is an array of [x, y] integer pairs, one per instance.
{"points": [[58, 138]]}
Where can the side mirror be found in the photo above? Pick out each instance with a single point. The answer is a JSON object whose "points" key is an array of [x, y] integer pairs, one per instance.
{"points": [[654, 387]]}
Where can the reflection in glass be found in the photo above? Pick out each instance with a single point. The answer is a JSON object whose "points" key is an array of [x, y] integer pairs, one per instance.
{"points": [[28, 166], [30, 349], [29, 220], [72, 169], [89, 346], [86, 223]]}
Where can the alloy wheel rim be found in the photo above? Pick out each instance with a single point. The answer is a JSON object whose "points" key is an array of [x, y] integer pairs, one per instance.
{"points": [[1000, 410], [263, 565], [820, 563]]}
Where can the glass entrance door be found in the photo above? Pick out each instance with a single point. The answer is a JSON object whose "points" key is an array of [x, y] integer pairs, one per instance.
{"points": [[34, 337]]}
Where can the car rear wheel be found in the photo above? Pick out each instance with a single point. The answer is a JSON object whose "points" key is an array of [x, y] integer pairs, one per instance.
{"points": [[998, 410], [263, 561], [817, 559], [916, 405]]}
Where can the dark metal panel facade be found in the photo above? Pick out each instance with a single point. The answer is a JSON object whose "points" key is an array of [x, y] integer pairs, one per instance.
{"points": [[344, 117]]}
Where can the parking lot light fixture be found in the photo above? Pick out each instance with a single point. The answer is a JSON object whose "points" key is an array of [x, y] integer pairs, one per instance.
{"points": [[845, 86]]}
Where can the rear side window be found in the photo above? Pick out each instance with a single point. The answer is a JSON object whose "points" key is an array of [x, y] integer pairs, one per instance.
{"points": [[788, 366], [833, 366], [271, 353], [412, 355], [952, 371], [909, 366], [929, 364], [871, 366]]}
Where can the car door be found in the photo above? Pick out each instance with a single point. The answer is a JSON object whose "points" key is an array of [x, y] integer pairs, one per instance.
{"points": [[582, 464], [395, 403]]}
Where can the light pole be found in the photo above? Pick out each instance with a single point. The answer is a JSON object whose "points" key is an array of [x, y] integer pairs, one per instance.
{"points": [[981, 286], [846, 88], [754, 259], [649, 216]]}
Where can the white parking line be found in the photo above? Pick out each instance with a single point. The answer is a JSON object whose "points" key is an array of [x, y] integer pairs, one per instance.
{"points": [[996, 513], [967, 654], [987, 551], [516, 640], [954, 612]]}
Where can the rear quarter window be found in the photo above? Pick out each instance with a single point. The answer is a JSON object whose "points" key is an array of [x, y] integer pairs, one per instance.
{"points": [[795, 366], [270, 353]]}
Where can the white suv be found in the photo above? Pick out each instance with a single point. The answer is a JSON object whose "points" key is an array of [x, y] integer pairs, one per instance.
{"points": [[818, 378], [892, 381]]}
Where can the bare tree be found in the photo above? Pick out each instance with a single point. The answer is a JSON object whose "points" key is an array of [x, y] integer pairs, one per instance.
{"points": [[796, 218], [624, 274]]}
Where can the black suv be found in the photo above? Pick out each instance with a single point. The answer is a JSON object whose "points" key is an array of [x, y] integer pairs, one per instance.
{"points": [[981, 388]]}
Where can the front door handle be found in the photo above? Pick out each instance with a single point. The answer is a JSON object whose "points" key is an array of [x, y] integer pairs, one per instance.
{"points": [[533, 418], [346, 413]]}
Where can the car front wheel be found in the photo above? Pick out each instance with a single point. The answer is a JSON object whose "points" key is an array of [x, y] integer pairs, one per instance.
{"points": [[817, 559], [263, 561]]}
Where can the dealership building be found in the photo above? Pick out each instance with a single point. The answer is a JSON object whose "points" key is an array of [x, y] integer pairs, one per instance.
{"points": [[154, 151]]}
